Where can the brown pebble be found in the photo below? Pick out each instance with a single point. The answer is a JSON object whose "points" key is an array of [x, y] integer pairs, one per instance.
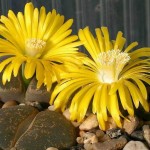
{"points": [[131, 125], [100, 133], [9, 103], [51, 148], [104, 138], [89, 123], [81, 133], [88, 146], [13, 148], [80, 140], [114, 144], [110, 124]]}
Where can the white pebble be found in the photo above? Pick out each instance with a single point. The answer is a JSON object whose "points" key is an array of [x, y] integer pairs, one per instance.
{"points": [[52, 148], [51, 108], [135, 145], [146, 130]]}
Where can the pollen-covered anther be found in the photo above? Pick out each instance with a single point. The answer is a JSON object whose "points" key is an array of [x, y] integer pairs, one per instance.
{"points": [[35, 47], [111, 64], [109, 57]]}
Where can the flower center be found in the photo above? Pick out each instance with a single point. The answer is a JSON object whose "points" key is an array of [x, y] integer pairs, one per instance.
{"points": [[34, 47], [111, 64]]}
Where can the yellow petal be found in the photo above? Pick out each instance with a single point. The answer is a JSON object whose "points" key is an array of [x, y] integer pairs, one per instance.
{"points": [[103, 101], [85, 37], [17, 62], [133, 94], [53, 28], [39, 74], [62, 29], [101, 121], [16, 24], [7, 73], [42, 17], [28, 14], [131, 46], [48, 79], [106, 38], [60, 37], [75, 104], [96, 99], [35, 22], [29, 69], [120, 41], [100, 40], [138, 96], [126, 103], [5, 62], [139, 53], [141, 86], [85, 101], [114, 109], [114, 87], [22, 24]]}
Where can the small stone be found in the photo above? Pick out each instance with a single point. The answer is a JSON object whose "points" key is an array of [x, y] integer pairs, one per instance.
{"points": [[75, 124], [77, 147], [146, 130], [35, 104], [91, 140], [66, 113], [130, 125], [137, 135], [22, 104], [51, 108], [114, 144], [135, 145], [81, 133], [100, 133], [88, 146], [39, 95], [89, 137], [13, 148], [110, 124], [9, 103], [52, 148], [49, 129], [113, 133], [80, 140], [93, 130], [89, 123], [104, 138]]}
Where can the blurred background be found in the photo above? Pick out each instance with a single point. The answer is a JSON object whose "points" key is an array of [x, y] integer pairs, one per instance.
{"points": [[132, 17]]}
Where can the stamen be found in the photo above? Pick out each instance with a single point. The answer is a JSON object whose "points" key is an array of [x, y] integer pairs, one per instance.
{"points": [[35, 47], [111, 64], [106, 58]]}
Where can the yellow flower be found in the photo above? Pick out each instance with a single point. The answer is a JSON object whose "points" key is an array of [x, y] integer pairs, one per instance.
{"points": [[112, 76], [39, 41]]}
